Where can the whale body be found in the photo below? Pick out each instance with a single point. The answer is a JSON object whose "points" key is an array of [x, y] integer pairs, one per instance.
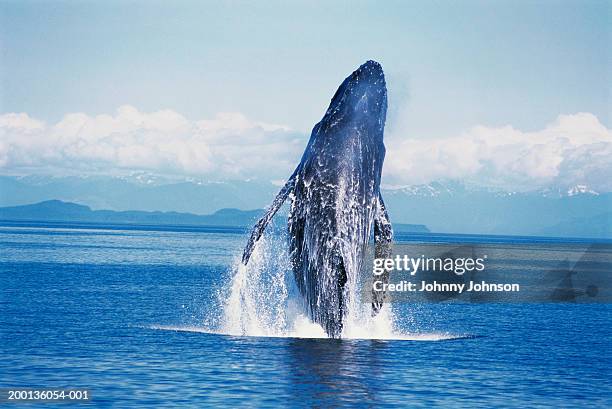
{"points": [[335, 199]]}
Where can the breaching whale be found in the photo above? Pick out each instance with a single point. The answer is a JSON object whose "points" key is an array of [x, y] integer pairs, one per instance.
{"points": [[335, 199]]}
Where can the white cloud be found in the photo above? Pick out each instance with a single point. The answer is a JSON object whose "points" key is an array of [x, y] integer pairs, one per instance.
{"points": [[229, 145], [575, 149]]}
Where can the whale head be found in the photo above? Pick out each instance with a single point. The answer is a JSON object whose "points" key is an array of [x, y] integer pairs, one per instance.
{"points": [[359, 103]]}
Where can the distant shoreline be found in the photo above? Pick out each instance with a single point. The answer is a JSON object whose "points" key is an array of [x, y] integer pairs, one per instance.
{"points": [[122, 226], [427, 237], [449, 206], [57, 211]]}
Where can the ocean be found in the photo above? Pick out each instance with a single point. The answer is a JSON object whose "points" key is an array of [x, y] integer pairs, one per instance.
{"points": [[164, 317]]}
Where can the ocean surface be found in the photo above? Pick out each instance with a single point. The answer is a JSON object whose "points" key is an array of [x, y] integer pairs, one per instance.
{"points": [[164, 317]]}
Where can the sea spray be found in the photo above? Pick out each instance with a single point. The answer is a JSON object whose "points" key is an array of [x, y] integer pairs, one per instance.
{"points": [[257, 301], [263, 300]]}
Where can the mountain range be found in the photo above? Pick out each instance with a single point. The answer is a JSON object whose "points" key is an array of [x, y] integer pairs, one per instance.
{"points": [[55, 211], [445, 207]]}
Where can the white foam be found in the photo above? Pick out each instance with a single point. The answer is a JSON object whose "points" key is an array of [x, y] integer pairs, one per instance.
{"points": [[309, 330], [262, 301]]}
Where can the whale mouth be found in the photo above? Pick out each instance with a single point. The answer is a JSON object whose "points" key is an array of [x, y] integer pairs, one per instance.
{"points": [[424, 336]]}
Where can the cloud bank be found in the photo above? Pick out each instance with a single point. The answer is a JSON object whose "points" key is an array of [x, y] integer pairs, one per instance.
{"points": [[574, 149], [227, 146]]}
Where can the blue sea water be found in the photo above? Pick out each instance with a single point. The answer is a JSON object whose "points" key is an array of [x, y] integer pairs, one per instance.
{"points": [[131, 315]]}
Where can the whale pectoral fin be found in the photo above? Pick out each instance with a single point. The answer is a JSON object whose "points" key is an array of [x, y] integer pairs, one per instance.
{"points": [[263, 222], [383, 239]]}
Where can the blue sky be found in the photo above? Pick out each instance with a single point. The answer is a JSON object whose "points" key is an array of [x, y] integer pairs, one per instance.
{"points": [[450, 66], [495, 63]]}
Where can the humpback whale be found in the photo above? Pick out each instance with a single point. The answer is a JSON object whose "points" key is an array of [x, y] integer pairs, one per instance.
{"points": [[335, 200]]}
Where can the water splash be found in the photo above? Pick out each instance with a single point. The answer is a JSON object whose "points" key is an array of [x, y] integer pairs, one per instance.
{"points": [[258, 302], [263, 301], [305, 330]]}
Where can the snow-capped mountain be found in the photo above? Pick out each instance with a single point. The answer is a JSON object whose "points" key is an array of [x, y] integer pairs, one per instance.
{"points": [[455, 188], [444, 206], [568, 191], [581, 190]]}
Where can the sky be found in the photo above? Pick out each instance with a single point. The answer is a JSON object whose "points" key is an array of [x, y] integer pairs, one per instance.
{"points": [[232, 89]]}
